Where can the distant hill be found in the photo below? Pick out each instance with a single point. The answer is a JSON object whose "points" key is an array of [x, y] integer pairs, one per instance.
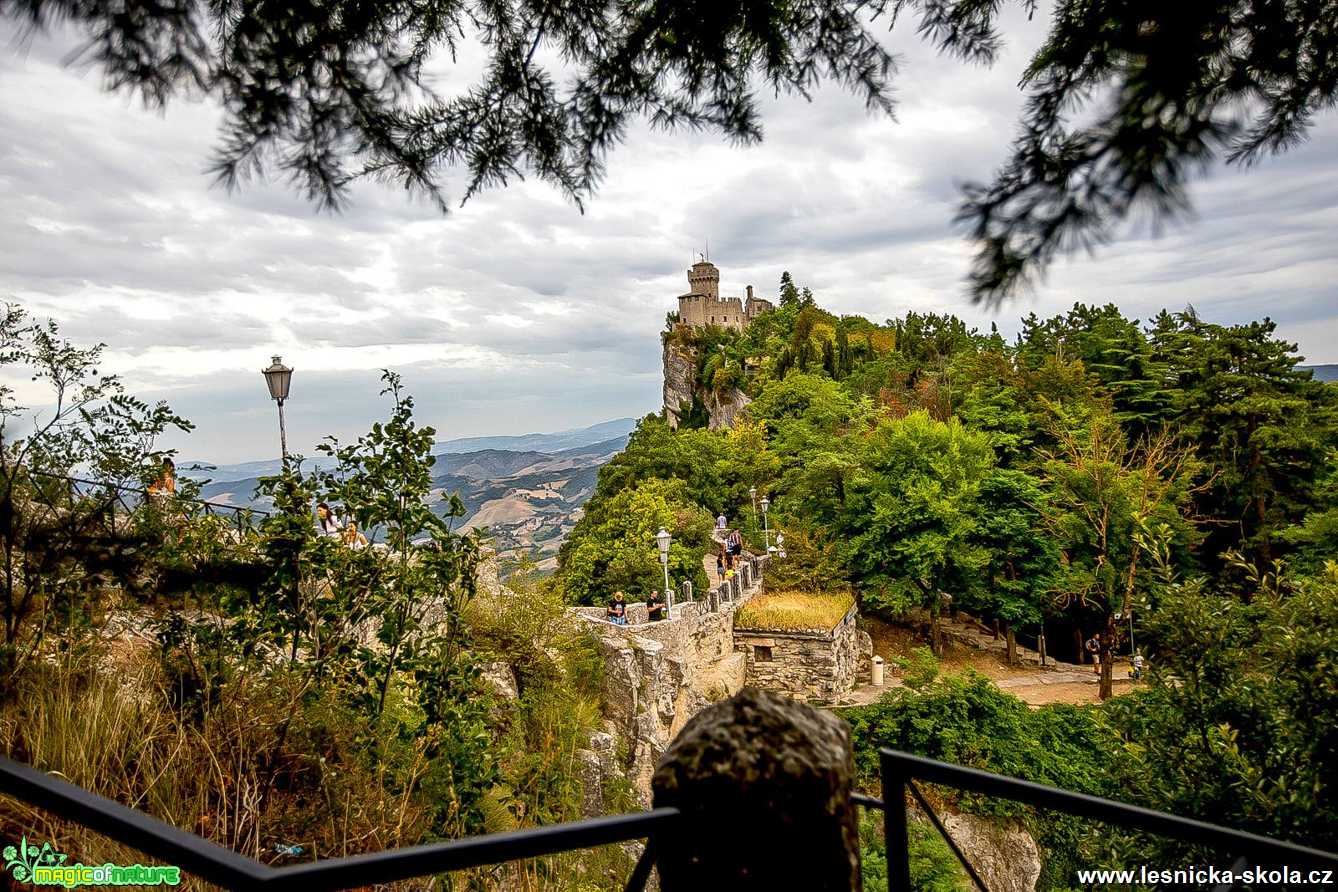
{"points": [[555, 442], [526, 500], [1324, 372]]}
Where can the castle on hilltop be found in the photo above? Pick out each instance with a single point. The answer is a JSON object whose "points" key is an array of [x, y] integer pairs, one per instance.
{"points": [[703, 305]]}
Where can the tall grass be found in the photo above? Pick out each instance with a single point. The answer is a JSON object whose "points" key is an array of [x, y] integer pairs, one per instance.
{"points": [[794, 611]]}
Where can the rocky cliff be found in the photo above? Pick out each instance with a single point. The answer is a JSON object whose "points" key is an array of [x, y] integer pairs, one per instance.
{"points": [[681, 388]]}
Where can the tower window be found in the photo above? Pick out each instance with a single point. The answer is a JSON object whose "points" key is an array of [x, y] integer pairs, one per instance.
{"points": [[761, 654]]}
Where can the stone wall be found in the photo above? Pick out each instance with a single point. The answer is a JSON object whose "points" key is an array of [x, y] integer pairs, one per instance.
{"points": [[813, 664], [659, 674]]}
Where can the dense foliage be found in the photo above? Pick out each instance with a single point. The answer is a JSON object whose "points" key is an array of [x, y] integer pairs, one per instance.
{"points": [[936, 467], [278, 691]]}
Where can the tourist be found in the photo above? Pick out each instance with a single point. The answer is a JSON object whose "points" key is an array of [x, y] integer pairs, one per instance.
{"points": [[1094, 648], [327, 525], [720, 566], [166, 484], [735, 542], [655, 608], [353, 538], [721, 522], [1137, 672], [617, 612]]}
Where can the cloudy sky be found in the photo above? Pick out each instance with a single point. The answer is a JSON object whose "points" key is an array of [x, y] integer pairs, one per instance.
{"points": [[517, 313]]}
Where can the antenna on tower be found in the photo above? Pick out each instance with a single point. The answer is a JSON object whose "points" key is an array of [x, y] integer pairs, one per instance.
{"points": [[708, 249]]}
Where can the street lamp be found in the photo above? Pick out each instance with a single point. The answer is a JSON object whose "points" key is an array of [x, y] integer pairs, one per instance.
{"points": [[277, 377], [662, 539], [752, 497], [766, 530]]}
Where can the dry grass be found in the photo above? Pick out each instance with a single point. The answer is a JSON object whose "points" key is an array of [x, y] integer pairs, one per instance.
{"points": [[794, 610]]}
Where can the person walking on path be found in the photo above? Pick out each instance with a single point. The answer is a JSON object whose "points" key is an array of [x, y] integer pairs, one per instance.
{"points": [[720, 567], [1094, 648], [721, 522]]}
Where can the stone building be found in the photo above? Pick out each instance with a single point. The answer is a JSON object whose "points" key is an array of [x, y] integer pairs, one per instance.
{"points": [[703, 305], [819, 665]]}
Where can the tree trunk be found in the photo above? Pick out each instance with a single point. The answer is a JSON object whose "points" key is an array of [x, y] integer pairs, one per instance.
{"points": [[1012, 644], [1040, 646], [996, 629], [1107, 651], [1078, 648]]}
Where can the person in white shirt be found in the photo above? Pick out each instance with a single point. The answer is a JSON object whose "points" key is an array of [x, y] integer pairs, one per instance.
{"points": [[327, 525], [721, 522]]}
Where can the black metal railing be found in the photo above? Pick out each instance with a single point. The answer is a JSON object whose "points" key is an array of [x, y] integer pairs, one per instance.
{"points": [[901, 770], [129, 499], [231, 870], [228, 869]]}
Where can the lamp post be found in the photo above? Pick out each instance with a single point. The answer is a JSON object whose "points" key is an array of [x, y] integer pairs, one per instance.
{"points": [[766, 530], [752, 497], [277, 377], [662, 539]]}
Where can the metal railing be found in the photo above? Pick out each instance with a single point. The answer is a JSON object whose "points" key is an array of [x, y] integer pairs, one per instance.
{"points": [[901, 770], [228, 869], [130, 499], [899, 773]]}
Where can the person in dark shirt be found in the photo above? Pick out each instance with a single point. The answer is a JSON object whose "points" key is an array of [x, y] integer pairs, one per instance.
{"points": [[617, 612], [655, 607]]}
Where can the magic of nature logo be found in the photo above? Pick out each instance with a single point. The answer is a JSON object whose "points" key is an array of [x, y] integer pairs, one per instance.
{"points": [[44, 865]]}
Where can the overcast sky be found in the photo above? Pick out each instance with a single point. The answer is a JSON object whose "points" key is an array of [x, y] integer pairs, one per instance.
{"points": [[519, 314]]}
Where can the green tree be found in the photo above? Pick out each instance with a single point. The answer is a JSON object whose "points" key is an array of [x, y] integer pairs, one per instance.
{"points": [[1022, 558], [908, 523], [1237, 722], [1107, 501], [613, 548], [1262, 427], [63, 547]]}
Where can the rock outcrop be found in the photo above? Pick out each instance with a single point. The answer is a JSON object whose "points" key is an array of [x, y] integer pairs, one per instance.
{"points": [[680, 376], [681, 389], [1002, 852]]}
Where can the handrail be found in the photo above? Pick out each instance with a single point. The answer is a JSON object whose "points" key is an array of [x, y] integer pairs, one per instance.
{"points": [[231, 870], [235, 871], [900, 769], [119, 487]]}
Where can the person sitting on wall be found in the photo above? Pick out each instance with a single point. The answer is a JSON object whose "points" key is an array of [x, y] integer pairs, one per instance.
{"points": [[655, 607], [617, 612], [166, 483], [352, 537], [327, 525]]}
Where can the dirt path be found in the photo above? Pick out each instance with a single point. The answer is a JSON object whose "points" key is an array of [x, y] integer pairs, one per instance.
{"points": [[967, 648]]}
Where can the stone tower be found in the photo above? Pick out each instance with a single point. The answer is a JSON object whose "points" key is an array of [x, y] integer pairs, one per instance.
{"points": [[704, 278]]}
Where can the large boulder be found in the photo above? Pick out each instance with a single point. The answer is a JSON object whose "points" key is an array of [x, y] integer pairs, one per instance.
{"points": [[1002, 852], [764, 784]]}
